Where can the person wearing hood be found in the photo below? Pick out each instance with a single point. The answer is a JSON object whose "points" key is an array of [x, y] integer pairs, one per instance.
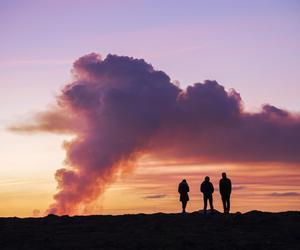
{"points": [[183, 190]]}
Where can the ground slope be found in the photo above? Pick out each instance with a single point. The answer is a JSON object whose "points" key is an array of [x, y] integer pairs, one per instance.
{"points": [[252, 230]]}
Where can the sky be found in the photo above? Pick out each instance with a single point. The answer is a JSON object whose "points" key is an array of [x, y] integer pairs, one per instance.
{"points": [[251, 46]]}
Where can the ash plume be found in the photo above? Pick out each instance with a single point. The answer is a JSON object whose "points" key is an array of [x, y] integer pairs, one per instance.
{"points": [[120, 108]]}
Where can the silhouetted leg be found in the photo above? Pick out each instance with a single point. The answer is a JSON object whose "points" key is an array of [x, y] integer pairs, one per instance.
{"points": [[211, 202], [183, 206], [228, 203], [205, 203], [224, 200], [224, 203]]}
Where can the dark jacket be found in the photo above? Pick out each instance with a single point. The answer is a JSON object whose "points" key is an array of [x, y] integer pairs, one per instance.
{"points": [[207, 188], [183, 189], [225, 186]]}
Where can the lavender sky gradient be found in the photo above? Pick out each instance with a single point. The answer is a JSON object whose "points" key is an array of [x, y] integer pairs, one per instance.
{"points": [[252, 46]]}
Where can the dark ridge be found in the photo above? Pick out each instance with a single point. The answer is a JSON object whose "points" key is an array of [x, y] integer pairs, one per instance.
{"points": [[252, 230]]}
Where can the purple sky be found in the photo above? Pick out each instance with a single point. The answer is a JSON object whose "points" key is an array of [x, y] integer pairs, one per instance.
{"points": [[252, 46]]}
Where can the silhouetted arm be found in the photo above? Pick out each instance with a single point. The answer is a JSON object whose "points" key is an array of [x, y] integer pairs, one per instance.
{"points": [[229, 186], [212, 188]]}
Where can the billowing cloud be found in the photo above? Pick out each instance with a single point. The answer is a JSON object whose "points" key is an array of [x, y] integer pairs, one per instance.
{"points": [[120, 108]]}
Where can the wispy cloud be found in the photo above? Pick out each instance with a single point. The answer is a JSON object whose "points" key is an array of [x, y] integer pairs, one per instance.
{"points": [[285, 194], [13, 182], [37, 62], [155, 196], [238, 187]]}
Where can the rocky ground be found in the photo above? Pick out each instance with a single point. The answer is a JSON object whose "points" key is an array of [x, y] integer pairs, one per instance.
{"points": [[252, 230]]}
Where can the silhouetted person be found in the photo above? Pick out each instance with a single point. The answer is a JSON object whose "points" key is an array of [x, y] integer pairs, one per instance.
{"points": [[225, 191], [207, 189], [183, 190]]}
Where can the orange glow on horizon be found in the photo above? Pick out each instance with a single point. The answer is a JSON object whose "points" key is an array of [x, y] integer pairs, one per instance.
{"points": [[152, 187]]}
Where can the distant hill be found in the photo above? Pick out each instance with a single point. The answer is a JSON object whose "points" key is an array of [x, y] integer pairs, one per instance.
{"points": [[253, 230]]}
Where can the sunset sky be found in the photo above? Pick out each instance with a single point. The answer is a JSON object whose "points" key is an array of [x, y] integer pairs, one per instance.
{"points": [[251, 46]]}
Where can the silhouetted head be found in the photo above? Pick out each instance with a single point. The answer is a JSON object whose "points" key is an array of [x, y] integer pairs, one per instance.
{"points": [[184, 180], [224, 175], [207, 178]]}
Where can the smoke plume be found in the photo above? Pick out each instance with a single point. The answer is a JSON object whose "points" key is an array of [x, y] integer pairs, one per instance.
{"points": [[119, 109]]}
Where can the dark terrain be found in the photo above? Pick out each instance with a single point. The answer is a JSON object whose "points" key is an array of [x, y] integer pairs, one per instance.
{"points": [[252, 230]]}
